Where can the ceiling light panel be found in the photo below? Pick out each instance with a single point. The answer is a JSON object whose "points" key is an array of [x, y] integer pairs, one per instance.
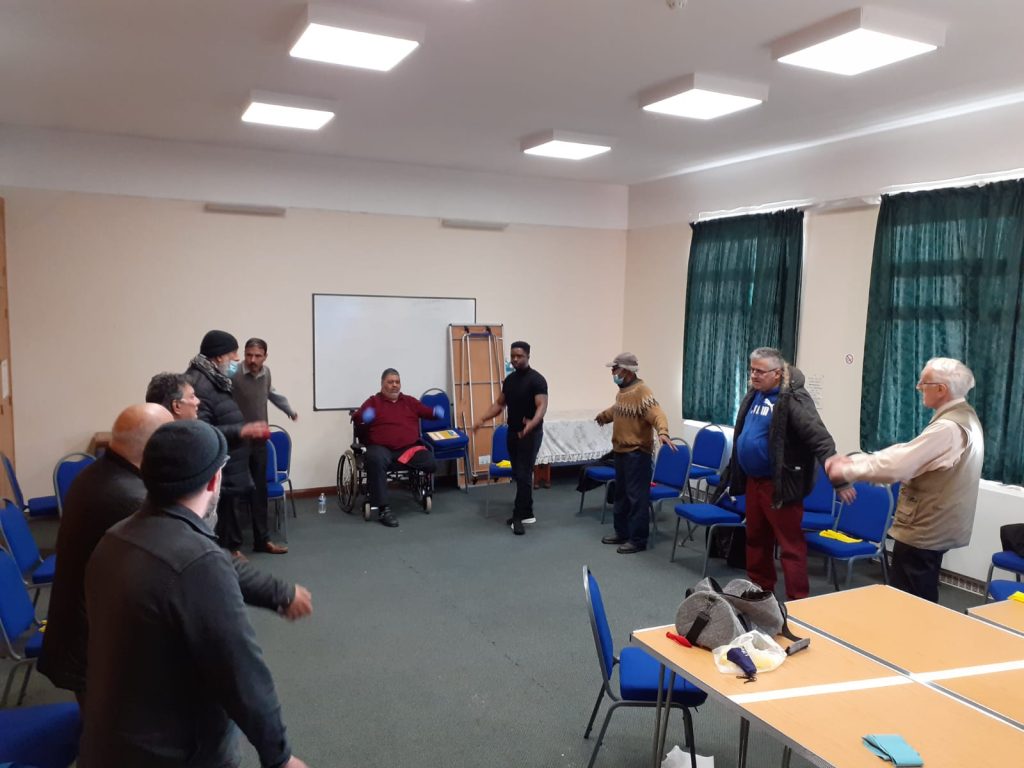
{"points": [[564, 145], [860, 40], [353, 39], [286, 111], [703, 97]]}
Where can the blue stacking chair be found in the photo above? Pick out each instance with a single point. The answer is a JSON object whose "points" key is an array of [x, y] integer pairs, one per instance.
{"points": [[867, 518], [283, 449], [638, 675], [275, 490], [599, 473], [451, 448], [728, 513], [18, 539], [43, 737], [671, 475], [20, 637], [66, 471], [1001, 589], [41, 506], [708, 455], [499, 452], [820, 504]]}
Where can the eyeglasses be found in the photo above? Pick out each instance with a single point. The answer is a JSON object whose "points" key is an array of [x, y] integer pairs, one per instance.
{"points": [[921, 384], [761, 371]]}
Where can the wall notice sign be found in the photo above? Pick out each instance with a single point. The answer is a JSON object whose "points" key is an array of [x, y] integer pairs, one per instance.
{"points": [[815, 385]]}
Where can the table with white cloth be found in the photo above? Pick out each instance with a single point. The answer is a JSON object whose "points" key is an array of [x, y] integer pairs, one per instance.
{"points": [[571, 437]]}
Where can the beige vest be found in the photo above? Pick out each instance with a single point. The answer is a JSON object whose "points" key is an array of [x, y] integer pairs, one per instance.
{"points": [[936, 509]]}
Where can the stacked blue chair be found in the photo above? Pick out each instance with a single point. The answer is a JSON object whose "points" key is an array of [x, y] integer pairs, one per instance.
{"points": [[671, 475], [64, 474], [20, 637], [43, 737], [499, 452], [709, 448], [41, 506], [283, 449], [638, 675], [727, 513], [1001, 589], [603, 474], [820, 504], [453, 448], [18, 540], [868, 519], [275, 490]]}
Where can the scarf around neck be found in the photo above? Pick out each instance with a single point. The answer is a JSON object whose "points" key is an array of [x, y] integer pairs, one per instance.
{"points": [[211, 372]]}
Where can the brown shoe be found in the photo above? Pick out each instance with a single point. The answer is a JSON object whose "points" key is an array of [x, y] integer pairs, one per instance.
{"points": [[237, 555], [272, 549]]}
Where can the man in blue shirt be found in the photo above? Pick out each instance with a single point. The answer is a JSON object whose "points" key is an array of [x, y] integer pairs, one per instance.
{"points": [[778, 438]]}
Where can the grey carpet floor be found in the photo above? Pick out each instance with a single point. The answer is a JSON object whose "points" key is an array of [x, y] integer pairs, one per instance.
{"points": [[449, 642]]}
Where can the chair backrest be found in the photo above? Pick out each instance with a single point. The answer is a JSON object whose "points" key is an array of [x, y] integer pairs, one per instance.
{"points": [[282, 443], [673, 467], [66, 471], [18, 536], [16, 612], [499, 446], [709, 447], [822, 497], [19, 497], [870, 514], [432, 398], [599, 624]]}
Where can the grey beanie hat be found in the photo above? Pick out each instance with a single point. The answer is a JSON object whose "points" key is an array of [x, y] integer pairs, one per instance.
{"points": [[217, 343], [180, 458]]}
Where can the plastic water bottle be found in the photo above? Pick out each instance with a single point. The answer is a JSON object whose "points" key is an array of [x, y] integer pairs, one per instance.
{"points": [[321, 505]]}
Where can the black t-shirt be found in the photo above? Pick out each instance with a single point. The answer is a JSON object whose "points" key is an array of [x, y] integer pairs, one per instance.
{"points": [[520, 390]]}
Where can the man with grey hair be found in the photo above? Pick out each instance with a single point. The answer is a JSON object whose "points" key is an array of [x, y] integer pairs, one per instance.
{"points": [[778, 438], [940, 470]]}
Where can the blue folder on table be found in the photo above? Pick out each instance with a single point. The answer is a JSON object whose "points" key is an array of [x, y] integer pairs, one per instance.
{"points": [[894, 748]]}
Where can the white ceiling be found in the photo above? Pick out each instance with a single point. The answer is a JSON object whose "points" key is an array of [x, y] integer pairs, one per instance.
{"points": [[489, 73]]}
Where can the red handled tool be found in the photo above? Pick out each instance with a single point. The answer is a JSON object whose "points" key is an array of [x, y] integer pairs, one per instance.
{"points": [[679, 639]]}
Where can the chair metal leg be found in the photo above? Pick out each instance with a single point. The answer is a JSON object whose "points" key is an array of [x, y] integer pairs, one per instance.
{"points": [[597, 704], [835, 574], [707, 550], [675, 541], [884, 558], [660, 710], [291, 497], [988, 582], [582, 495], [849, 573], [24, 683], [668, 712], [600, 736]]}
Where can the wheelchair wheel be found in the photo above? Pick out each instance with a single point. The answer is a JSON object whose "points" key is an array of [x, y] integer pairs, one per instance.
{"points": [[347, 482]]}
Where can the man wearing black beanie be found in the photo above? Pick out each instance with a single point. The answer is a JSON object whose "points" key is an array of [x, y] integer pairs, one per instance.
{"points": [[169, 632], [210, 374]]}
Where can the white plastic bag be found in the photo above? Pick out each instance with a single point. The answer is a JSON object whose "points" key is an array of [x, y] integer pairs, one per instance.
{"points": [[763, 651], [679, 758]]}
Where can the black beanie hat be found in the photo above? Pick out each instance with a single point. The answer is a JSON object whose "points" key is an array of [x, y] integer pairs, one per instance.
{"points": [[216, 343], [180, 458]]}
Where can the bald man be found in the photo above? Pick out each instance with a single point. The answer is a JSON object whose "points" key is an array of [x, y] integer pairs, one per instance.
{"points": [[106, 492]]}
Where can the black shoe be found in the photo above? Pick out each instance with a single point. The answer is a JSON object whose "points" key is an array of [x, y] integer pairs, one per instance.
{"points": [[613, 540], [387, 518], [517, 527], [629, 548]]}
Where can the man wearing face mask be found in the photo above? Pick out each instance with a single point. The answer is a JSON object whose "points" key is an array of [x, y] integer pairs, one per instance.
{"points": [[635, 417], [173, 658], [210, 374]]}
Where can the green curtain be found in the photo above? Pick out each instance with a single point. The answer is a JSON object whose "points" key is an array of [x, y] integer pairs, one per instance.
{"points": [[742, 292], [946, 281]]}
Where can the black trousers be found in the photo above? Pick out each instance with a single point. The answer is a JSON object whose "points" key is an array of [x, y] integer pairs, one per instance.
{"points": [[522, 453], [257, 499], [916, 570], [378, 459], [633, 471], [228, 530]]}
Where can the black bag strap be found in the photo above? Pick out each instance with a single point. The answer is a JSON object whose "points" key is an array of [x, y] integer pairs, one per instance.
{"points": [[786, 631], [697, 627]]}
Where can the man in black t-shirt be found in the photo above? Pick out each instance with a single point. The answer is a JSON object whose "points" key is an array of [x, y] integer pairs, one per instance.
{"points": [[525, 394]]}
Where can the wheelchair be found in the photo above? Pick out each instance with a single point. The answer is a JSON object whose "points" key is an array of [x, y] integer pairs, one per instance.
{"points": [[352, 480]]}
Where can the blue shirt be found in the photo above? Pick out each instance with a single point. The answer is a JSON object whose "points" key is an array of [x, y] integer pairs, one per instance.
{"points": [[752, 448]]}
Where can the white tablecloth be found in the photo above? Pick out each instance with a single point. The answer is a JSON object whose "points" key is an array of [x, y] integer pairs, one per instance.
{"points": [[573, 437]]}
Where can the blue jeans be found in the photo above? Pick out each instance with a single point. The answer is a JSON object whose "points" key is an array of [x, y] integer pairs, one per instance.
{"points": [[633, 471]]}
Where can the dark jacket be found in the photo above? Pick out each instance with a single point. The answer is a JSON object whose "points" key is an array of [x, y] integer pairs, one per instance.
{"points": [[173, 658], [105, 493], [217, 407], [796, 439]]}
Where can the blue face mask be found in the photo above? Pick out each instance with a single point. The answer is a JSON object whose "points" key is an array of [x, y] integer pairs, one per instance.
{"points": [[619, 381], [231, 368]]}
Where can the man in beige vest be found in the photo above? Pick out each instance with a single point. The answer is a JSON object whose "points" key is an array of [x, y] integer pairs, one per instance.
{"points": [[940, 470]]}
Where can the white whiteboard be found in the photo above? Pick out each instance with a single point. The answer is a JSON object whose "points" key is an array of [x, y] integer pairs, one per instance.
{"points": [[356, 337]]}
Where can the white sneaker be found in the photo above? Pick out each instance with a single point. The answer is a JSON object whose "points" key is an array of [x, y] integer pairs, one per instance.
{"points": [[529, 520]]}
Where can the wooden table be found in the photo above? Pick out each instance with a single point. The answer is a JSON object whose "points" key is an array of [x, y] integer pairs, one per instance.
{"points": [[1006, 613], [880, 661]]}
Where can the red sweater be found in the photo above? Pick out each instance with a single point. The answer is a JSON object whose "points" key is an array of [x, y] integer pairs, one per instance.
{"points": [[397, 424]]}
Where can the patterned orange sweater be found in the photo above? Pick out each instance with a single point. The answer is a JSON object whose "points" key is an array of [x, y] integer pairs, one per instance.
{"points": [[635, 417]]}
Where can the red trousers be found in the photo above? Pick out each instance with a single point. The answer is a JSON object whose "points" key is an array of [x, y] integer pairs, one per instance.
{"points": [[765, 527]]}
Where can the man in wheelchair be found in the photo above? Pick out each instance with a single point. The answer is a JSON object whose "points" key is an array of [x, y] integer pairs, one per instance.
{"points": [[389, 424]]}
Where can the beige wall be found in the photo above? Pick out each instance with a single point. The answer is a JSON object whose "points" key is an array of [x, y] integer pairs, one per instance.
{"points": [[107, 290]]}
